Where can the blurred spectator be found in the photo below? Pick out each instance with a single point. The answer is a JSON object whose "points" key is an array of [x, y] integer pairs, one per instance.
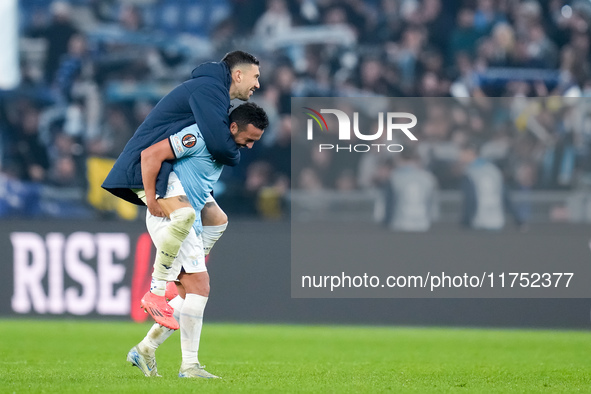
{"points": [[410, 195], [502, 50], [571, 71], [375, 167], [259, 175], [389, 22], [57, 34], [279, 154], [525, 181], [540, 49], [114, 135], [224, 35], [309, 180], [284, 81], [558, 163], [525, 15], [464, 36], [130, 18], [261, 194], [28, 159], [487, 15], [276, 21], [407, 55], [372, 77], [67, 166], [71, 66], [485, 197]]}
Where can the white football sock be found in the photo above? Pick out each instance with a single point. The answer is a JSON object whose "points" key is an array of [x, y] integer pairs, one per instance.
{"points": [[210, 235], [181, 221], [158, 334], [191, 322], [158, 287]]}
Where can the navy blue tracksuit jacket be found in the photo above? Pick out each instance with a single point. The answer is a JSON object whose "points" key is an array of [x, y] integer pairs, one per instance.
{"points": [[204, 99]]}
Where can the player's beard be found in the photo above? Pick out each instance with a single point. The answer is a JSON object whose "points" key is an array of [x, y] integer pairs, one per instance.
{"points": [[246, 95]]}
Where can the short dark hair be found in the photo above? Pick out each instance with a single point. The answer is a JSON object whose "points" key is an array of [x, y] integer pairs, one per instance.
{"points": [[249, 113], [232, 59]]}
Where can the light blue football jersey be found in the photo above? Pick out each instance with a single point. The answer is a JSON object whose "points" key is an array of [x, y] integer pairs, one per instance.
{"points": [[195, 167]]}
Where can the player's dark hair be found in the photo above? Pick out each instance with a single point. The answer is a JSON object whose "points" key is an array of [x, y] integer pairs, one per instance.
{"points": [[249, 113], [232, 59]]}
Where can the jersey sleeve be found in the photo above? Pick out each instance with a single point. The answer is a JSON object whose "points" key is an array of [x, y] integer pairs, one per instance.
{"points": [[185, 142]]}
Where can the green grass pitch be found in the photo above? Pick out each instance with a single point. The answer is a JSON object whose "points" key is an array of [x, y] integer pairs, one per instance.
{"points": [[89, 356]]}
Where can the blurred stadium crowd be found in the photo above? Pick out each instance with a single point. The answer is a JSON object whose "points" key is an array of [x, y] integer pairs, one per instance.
{"points": [[93, 69]]}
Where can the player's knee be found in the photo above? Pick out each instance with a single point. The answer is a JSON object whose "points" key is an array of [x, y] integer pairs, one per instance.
{"points": [[181, 221], [196, 283], [221, 219], [201, 289], [213, 215], [184, 215], [204, 290], [217, 219]]}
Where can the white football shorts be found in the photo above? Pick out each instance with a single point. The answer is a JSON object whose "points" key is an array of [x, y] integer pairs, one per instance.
{"points": [[191, 257]]}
